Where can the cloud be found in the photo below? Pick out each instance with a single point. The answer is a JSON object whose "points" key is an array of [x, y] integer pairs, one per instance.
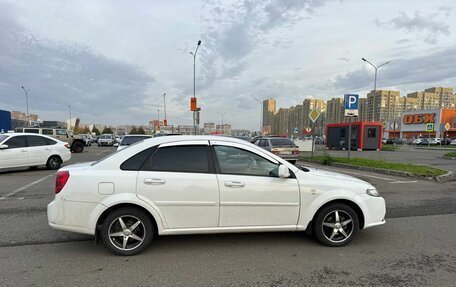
{"points": [[426, 25], [344, 59], [59, 74], [430, 69]]}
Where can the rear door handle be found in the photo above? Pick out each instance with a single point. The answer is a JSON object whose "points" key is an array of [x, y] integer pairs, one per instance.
{"points": [[235, 184], [155, 181]]}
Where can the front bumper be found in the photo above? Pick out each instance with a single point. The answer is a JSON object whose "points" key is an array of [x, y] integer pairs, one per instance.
{"points": [[374, 210]]}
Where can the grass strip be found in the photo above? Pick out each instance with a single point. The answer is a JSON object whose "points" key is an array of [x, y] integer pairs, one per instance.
{"points": [[450, 154], [414, 169]]}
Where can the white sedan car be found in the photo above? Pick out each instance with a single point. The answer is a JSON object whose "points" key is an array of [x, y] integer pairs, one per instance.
{"points": [[32, 150], [207, 184]]}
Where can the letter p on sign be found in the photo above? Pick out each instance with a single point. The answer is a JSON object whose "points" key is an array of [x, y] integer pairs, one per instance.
{"points": [[351, 101]]}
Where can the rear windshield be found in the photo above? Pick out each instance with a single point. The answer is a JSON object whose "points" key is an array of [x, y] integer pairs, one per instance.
{"points": [[3, 137], [281, 142], [133, 139]]}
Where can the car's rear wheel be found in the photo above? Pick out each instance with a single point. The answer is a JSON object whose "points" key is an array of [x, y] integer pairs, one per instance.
{"points": [[336, 225], [77, 147], [54, 162], [127, 231]]}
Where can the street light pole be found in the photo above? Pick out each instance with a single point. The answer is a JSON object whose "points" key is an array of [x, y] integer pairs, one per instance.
{"points": [[375, 84], [69, 107], [222, 126], [26, 101], [165, 122], [261, 113], [194, 80]]}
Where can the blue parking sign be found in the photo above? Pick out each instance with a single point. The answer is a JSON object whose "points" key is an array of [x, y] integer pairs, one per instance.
{"points": [[351, 101]]}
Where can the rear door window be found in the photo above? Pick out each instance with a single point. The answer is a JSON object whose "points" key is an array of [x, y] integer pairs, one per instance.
{"points": [[191, 158], [36, 141], [33, 131]]}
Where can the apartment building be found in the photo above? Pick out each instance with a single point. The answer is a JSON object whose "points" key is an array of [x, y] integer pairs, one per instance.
{"points": [[269, 110], [335, 111]]}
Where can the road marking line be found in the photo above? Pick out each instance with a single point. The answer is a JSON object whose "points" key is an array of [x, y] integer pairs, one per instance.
{"points": [[411, 181], [25, 187]]}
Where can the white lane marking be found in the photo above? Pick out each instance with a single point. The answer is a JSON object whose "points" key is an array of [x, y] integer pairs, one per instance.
{"points": [[25, 187], [411, 181]]}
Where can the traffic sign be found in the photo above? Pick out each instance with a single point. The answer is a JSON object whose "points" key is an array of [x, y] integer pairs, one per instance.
{"points": [[447, 126], [351, 105], [430, 127], [313, 115], [295, 130], [308, 130]]}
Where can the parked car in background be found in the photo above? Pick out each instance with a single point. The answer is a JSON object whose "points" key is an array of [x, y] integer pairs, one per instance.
{"points": [[446, 141], [106, 140], [417, 141], [283, 147], [87, 140], [249, 139], [207, 184], [76, 143], [131, 139], [453, 142], [32, 150]]}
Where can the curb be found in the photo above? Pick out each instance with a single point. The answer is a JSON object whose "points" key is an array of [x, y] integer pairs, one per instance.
{"points": [[449, 176]]}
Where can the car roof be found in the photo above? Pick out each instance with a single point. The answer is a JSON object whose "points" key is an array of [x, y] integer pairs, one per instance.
{"points": [[31, 134]]}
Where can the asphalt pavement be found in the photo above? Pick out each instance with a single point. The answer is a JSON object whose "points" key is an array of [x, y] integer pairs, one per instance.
{"points": [[414, 248]]}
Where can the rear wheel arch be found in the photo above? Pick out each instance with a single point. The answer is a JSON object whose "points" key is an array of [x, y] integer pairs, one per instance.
{"points": [[105, 213]]}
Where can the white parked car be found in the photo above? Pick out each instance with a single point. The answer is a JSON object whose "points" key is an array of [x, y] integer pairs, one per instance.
{"points": [[207, 184], [32, 150], [106, 140], [131, 139], [453, 142]]}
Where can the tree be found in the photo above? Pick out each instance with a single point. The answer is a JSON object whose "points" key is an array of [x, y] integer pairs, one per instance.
{"points": [[107, 130], [86, 130], [133, 130], [141, 131], [96, 131]]}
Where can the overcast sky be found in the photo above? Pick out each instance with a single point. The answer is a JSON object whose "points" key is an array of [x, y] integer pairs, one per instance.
{"points": [[113, 60]]}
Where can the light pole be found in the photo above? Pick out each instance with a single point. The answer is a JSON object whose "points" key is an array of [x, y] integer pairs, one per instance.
{"points": [[26, 101], [165, 122], [69, 108], [222, 126], [261, 113], [375, 84], [194, 80]]}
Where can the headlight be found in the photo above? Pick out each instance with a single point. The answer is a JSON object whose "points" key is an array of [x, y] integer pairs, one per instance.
{"points": [[372, 191]]}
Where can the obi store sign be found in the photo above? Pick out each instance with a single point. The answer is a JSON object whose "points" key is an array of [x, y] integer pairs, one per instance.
{"points": [[417, 119]]}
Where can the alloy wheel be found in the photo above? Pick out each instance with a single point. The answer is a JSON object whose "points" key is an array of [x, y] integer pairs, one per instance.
{"points": [[337, 226], [126, 232]]}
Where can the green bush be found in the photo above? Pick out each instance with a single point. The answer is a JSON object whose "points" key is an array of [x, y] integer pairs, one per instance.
{"points": [[327, 159]]}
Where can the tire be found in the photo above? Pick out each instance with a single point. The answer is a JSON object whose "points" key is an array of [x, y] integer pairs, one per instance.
{"points": [[326, 224], [130, 216], [54, 162], [77, 147]]}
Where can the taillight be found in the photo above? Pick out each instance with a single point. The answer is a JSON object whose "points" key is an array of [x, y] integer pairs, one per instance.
{"points": [[61, 180], [275, 151], [67, 145]]}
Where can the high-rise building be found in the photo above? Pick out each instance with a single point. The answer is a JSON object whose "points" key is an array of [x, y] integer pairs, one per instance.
{"points": [[384, 105], [434, 98], [335, 111], [269, 109], [362, 109]]}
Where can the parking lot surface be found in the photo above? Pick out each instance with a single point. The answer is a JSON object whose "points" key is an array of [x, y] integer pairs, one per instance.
{"points": [[414, 248]]}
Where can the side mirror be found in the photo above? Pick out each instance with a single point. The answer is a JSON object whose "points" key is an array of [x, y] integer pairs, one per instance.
{"points": [[284, 172], [3, 146], [116, 144]]}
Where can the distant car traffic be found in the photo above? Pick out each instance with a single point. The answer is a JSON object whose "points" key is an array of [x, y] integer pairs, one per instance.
{"points": [[131, 139], [106, 140], [207, 184], [32, 150], [283, 147]]}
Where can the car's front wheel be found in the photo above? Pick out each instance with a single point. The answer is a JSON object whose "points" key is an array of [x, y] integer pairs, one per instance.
{"points": [[127, 231], [336, 225]]}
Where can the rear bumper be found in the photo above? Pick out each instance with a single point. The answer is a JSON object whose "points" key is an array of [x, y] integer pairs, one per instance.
{"points": [[289, 156]]}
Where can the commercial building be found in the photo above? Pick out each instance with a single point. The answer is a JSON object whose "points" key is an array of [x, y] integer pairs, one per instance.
{"points": [[224, 129], [429, 122], [209, 128]]}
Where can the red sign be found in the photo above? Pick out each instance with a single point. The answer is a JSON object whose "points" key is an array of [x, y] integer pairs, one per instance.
{"points": [[419, 119], [193, 104], [307, 130]]}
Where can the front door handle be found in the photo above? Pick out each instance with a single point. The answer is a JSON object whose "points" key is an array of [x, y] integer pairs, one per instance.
{"points": [[155, 181], [235, 184]]}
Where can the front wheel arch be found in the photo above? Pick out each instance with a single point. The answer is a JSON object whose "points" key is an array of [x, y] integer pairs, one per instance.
{"points": [[105, 213], [353, 205]]}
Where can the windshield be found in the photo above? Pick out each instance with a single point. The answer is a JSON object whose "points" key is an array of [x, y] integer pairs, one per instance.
{"points": [[133, 139]]}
